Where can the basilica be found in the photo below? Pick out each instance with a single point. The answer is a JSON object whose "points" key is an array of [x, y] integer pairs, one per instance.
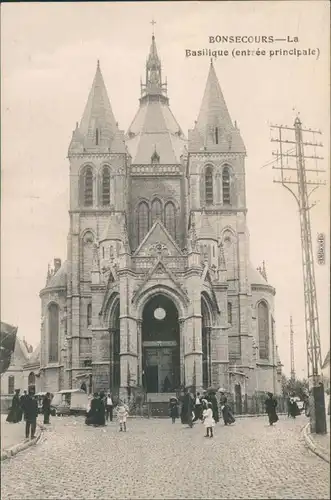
{"points": [[158, 291]]}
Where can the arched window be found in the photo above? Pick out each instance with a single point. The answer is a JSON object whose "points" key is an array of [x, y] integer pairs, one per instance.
{"points": [[226, 186], [143, 220], [156, 210], [170, 218], [89, 314], [263, 329], [53, 333], [11, 384], [230, 313], [88, 187], [105, 187], [209, 196], [97, 137]]}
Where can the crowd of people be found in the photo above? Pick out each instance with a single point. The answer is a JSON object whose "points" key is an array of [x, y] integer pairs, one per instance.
{"points": [[101, 409], [25, 408], [203, 407]]}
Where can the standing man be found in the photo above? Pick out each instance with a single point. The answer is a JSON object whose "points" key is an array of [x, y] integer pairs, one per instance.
{"points": [[23, 399], [109, 407], [31, 413], [197, 408], [47, 407]]}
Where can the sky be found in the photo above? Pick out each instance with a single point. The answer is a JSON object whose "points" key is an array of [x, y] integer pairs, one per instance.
{"points": [[49, 54]]}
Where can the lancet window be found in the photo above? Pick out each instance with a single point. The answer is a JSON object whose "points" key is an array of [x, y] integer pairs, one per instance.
{"points": [[209, 194], [170, 218], [105, 186], [156, 210], [143, 220], [263, 329], [226, 186], [88, 187], [53, 333]]}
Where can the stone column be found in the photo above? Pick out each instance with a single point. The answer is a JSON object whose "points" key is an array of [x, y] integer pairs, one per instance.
{"points": [[139, 353], [129, 340]]}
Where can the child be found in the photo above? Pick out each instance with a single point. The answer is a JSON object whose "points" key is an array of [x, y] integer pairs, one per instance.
{"points": [[122, 413], [208, 420]]}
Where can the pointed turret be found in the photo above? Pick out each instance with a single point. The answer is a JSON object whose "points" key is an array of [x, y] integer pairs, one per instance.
{"points": [[98, 130], [153, 84], [214, 130]]}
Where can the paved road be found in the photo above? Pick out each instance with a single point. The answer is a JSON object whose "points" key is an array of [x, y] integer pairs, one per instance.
{"points": [[158, 460]]}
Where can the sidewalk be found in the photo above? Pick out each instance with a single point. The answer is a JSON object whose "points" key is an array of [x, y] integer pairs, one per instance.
{"points": [[11, 434], [319, 443]]}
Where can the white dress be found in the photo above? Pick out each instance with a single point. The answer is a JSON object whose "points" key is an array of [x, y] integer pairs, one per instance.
{"points": [[208, 418]]}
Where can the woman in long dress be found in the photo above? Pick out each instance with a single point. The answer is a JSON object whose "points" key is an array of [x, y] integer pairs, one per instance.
{"points": [[270, 406], [228, 418], [15, 411], [293, 409]]}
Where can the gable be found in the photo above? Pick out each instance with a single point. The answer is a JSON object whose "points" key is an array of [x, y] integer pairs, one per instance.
{"points": [[160, 274], [158, 242]]}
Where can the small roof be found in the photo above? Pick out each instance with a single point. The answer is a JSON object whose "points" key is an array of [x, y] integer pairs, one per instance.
{"points": [[255, 277], [60, 277], [34, 356], [206, 230], [113, 229]]}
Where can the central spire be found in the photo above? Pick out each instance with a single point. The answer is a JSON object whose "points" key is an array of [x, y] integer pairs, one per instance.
{"points": [[153, 85]]}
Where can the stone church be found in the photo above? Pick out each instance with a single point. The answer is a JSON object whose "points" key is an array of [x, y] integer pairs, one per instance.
{"points": [[158, 291]]}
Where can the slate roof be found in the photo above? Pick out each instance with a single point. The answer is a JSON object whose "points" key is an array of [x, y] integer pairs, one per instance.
{"points": [[154, 128], [60, 277], [214, 113], [98, 118], [255, 277]]}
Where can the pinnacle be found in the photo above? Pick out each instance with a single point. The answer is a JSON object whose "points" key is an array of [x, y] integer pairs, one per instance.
{"points": [[98, 113]]}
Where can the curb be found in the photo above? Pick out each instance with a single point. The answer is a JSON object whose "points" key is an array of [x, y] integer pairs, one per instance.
{"points": [[11, 452], [312, 446]]}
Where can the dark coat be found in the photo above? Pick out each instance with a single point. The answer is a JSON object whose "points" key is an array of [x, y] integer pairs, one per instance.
{"points": [[173, 410], [270, 406], [214, 403], [31, 409], [187, 409], [46, 406]]}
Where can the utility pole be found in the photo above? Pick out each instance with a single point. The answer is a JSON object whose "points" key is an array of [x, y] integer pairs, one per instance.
{"points": [[301, 188], [292, 350]]}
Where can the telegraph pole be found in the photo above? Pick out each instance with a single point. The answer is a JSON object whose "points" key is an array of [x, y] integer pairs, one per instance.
{"points": [[292, 350], [301, 188]]}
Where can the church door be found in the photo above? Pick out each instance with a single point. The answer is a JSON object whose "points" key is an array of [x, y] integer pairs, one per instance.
{"points": [[160, 346], [238, 400]]}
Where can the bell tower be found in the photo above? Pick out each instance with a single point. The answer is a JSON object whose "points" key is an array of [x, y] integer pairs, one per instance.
{"points": [[98, 188]]}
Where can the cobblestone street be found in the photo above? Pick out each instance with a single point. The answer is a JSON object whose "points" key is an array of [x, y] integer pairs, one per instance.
{"points": [[156, 459]]}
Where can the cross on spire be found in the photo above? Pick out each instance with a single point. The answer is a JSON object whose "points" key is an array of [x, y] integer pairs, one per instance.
{"points": [[153, 23]]}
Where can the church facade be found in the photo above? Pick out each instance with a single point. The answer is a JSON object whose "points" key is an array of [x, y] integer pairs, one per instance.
{"points": [[158, 291]]}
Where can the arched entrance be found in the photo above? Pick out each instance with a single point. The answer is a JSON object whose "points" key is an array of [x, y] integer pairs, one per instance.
{"points": [[115, 347], [160, 346], [206, 344], [238, 399]]}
